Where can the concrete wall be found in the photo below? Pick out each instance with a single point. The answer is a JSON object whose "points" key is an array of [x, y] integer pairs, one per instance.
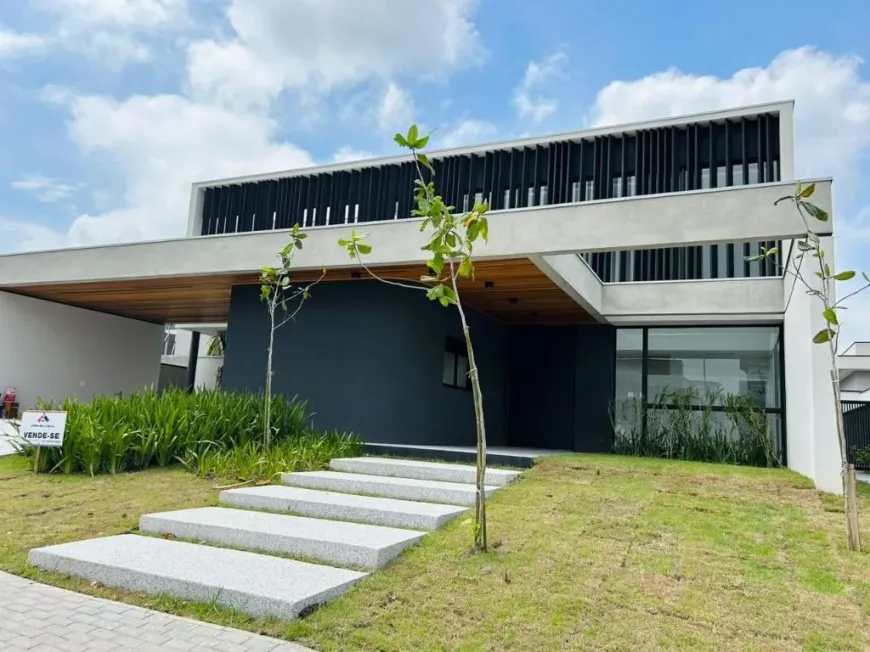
{"points": [[642, 222], [53, 351], [369, 358], [810, 411]]}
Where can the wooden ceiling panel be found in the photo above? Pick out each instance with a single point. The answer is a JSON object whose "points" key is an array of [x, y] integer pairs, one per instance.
{"points": [[514, 291]]}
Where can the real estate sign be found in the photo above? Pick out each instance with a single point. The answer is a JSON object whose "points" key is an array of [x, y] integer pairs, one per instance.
{"points": [[43, 428]]}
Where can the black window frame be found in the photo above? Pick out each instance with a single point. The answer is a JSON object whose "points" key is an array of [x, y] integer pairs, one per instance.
{"points": [[781, 411], [455, 347]]}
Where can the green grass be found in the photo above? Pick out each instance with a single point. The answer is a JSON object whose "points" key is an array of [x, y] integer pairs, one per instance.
{"points": [[589, 552]]}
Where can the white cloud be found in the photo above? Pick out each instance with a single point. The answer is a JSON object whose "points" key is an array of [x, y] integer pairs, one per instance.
{"points": [[19, 235], [194, 142], [832, 128], [321, 44], [832, 109], [347, 154], [111, 31], [17, 43], [464, 132], [530, 98], [44, 189], [396, 109]]}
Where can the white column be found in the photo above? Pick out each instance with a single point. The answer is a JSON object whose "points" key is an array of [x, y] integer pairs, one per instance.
{"points": [[811, 425]]}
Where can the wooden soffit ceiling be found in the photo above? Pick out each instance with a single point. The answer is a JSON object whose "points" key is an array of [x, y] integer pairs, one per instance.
{"points": [[513, 291]]}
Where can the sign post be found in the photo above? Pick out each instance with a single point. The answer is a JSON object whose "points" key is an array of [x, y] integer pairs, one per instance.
{"points": [[42, 429]]}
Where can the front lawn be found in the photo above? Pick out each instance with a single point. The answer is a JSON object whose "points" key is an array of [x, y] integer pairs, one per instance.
{"points": [[590, 552]]}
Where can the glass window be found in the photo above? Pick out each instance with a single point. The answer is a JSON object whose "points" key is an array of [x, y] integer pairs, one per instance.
{"points": [[712, 364], [628, 404], [455, 370]]}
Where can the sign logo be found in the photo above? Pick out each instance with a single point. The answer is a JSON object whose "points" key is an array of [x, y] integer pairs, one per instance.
{"points": [[43, 418]]}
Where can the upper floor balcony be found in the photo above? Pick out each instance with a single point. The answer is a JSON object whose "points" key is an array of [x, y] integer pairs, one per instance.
{"points": [[713, 150]]}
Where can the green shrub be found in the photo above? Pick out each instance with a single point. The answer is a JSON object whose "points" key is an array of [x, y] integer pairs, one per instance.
{"points": [[681, 424], [251, 462], [152, 428]]}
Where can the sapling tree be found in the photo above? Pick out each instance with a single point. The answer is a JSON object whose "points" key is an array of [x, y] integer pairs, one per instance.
{"points": [[283, 301], [822, 287], [449, 247]]}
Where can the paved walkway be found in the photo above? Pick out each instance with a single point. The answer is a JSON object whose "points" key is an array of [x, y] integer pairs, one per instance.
{"points": [[40, 618]]}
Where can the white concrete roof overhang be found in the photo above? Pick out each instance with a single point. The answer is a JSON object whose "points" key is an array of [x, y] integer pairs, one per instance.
{"points": [[666, 220]]}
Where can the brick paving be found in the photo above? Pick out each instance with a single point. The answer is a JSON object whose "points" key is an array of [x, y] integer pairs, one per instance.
{"points": [[39, 618]]}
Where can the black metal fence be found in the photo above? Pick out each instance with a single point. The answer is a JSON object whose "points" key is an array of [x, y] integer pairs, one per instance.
{"points": [[856, 420]]}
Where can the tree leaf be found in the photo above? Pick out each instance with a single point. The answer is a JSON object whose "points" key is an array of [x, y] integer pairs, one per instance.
{"points": [[422, 143], [413, 136], [449, 294], [822, 336], [845, 276], [364, 248], [424, 161], [401, 140], [473, 231], [818, 213], [450, 239], [827, 269], [830, 316], [808, 191], [343, 243], [466, 267]]}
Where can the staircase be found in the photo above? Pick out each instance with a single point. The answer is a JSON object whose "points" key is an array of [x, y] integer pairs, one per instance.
{"points": [[279, 550]]}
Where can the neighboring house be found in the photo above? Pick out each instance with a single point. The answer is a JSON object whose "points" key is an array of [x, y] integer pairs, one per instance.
{"points": [[615, 267], [175, 358], [854, 364]]}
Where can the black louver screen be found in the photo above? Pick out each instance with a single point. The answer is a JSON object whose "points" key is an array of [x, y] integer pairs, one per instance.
{"points": [[668, 159]]}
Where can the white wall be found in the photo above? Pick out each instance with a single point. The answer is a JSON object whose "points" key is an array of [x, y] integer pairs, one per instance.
{"points": [[813, 449], [54, 351]]}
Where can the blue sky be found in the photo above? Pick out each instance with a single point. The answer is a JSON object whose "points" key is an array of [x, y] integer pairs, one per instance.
{"points": [[110, 108]]}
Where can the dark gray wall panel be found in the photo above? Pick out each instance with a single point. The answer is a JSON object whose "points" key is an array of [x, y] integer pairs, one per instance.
{"points": [[368, 358], [561, 385]]}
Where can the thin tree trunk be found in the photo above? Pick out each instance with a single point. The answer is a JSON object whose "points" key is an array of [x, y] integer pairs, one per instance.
{"points": [[267, 400], [480, 536], [850, 490]]}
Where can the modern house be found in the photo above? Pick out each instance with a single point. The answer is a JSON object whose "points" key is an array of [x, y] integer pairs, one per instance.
{"points": [[187, 359], [854, 364], [616, 267]]}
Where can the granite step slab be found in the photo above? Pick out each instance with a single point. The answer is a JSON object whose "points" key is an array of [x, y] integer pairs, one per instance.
{"points": [[417, 470], [333, 542], [374, 485], [258, 585], [346, 507]]}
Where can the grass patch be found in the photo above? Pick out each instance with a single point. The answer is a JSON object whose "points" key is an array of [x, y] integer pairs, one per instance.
{"points": [[589, 552]]}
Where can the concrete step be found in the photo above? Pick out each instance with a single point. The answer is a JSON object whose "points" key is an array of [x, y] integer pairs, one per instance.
{"points": [[414, 469], [516, 457], [258, 585], [325, 504], [333, 542], [375, 485]]}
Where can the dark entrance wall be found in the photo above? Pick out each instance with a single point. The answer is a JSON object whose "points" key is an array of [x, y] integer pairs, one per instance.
{"points": [[369, 358], [561, 385]]}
